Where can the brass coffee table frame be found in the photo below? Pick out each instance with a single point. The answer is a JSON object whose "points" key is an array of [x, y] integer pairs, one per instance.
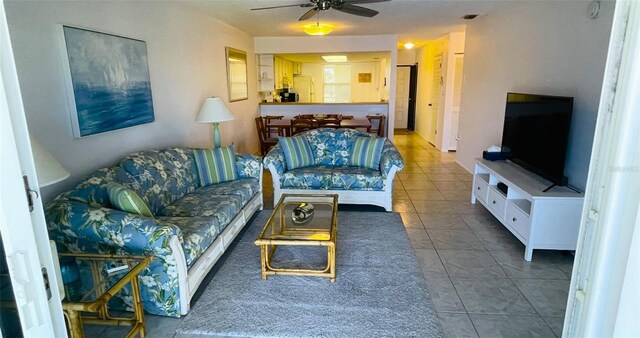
{"points": [[73, 309], [299, 236]]}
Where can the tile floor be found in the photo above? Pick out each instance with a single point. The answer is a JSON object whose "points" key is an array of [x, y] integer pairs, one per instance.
{"points": [[476, 275]]}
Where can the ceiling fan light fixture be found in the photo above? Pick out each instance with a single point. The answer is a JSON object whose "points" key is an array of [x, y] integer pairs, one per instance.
{"points": [[318, 28]]}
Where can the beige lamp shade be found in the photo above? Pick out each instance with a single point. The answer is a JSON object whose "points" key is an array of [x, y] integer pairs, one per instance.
{"points": [[48, 169], [214, 110]]}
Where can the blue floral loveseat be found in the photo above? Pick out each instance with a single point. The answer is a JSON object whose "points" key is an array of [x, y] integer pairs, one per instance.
{"points": [[190, 229], [331, 173]]}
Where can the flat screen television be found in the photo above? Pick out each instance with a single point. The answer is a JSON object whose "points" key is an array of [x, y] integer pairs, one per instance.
{"points": [[536, 133]]}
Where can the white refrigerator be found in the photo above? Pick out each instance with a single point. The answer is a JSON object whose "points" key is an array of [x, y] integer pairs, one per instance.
{"points": [[305, 86]]}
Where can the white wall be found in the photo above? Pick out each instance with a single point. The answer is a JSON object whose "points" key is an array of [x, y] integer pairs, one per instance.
{"points": [[406, 56], [540, 47], [186, 63]]}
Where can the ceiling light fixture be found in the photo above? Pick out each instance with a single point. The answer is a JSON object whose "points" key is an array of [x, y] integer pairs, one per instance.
{"points": [[318, 29], [408, 45], [335, 58]]}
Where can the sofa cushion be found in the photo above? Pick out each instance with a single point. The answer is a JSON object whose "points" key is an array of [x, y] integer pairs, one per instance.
{"points": [[246, 188], [216, 165], [224, 208], [297, 152], [366, 152], [312, 177], [197, 232], [356, 178], [93, 190], [155, 171], [331, 146], [125, 199]]}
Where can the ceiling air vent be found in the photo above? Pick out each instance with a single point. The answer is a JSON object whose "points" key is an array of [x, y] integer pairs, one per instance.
{"points": [[469, 16]]}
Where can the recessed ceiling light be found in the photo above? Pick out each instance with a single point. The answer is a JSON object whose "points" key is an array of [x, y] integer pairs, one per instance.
{"points": [[408, 45], [335, 58]]}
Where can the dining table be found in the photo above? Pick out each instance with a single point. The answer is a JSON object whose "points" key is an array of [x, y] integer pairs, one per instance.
{"points": [[284, 125]]}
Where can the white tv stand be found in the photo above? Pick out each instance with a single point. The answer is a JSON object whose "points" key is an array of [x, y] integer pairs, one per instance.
{"points": [[540, 220]]}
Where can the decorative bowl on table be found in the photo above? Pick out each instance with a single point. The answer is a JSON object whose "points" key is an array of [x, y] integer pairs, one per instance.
{"points": [[302, 214]]}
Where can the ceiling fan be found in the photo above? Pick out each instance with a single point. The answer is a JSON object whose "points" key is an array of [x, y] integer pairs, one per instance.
{"points": [[346, 6]]}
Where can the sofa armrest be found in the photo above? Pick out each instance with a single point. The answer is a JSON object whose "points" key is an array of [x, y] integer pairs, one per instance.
{"points": [[390, 157], [248, 166], [275, 159], [132, 233]]}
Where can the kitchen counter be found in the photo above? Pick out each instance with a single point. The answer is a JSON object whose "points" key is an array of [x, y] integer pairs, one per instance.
{"points": [[291, 109], [320, 103]]}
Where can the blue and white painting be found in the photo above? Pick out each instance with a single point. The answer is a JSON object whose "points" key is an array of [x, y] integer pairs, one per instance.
{"points": [[110, 80]]}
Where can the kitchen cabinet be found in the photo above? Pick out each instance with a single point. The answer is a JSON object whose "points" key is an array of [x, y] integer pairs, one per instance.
{"points": [[297, 68], [283, 70]]}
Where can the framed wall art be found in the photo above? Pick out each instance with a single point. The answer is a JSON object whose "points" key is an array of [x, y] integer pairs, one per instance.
{"points": [[108, 81], [364, 77]]}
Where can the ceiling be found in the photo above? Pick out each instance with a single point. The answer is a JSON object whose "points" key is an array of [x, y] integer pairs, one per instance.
{"points": [[412, 20], [351, 57]]}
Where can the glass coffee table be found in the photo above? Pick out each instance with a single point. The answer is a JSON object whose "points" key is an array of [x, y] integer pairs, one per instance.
{"points": [[91, 281], [300, 220]]}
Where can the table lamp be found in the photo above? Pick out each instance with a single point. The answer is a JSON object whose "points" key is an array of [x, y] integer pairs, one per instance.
{"points": [[48, 169], [214, 111]]}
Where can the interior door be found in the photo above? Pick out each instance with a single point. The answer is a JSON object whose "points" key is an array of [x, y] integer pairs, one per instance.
{"points": [[457, 95], [29, 260], [402, 97], [436, 93]]}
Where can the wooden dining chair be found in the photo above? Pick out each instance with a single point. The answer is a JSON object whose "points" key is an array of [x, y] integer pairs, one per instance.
{"points": [[304, 116], [273, 131], [266, 142], [377, 124], [299, 125], [329, 122]]}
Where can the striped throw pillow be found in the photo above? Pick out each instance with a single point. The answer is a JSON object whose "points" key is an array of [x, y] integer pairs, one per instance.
{"points": [[366, 152], [297, 152], [216, 165], [127, 200]]}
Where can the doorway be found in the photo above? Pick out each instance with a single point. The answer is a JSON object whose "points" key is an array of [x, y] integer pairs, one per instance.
{"points": [[406, 91], [436, 94]]}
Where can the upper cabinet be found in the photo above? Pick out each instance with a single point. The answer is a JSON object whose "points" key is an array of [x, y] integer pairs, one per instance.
{"points": [[283, 70], [297, 68]]}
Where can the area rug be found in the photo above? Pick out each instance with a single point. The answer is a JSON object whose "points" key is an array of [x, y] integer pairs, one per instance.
{"points": [[379, 289]]}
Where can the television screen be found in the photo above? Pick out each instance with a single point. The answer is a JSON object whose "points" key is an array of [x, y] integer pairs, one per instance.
{"points": [[536, 133]]}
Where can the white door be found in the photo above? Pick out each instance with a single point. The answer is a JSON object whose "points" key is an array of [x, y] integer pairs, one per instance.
{"points": [[402, 97], [436, 93], [455, 107], [24, 233]]}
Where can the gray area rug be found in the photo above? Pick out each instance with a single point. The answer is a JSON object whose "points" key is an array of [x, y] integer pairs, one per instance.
{"points": [[379, 289]]}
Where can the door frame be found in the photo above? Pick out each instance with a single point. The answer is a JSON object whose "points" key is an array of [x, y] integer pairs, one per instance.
{"points": [[24, 232], [413, 92]]}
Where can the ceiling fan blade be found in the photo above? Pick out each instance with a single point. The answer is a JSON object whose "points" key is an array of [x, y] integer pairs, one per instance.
{"points": [[357, 2], [309, 14], [357, 10], [283, 6]]}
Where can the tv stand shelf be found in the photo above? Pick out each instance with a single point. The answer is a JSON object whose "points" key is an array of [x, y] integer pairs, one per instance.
{"points": [[540, 220]]}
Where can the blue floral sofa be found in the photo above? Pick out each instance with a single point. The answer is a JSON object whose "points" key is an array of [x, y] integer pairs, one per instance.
{"points": [[331, 174], [191, 228]]}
